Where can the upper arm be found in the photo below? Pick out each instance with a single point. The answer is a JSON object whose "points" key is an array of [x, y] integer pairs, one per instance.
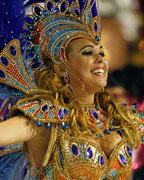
{"points": [[16, 130]]}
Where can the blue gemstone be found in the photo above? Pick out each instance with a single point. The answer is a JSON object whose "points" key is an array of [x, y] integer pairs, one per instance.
{"points": [[29, 20], [36, 65], [38, 10], [98, 38], [129, 151], [63, 7], [2, 74], [97, 107], [4, 61], [66, 111], [66, 126], [95, 27], [60, 114], [39, 123], [63, 125], [50, 6], [111, 129], [56, 10], [143, 139], [107, 131], [25, 32], [45, 12], [12, 50], [133, 111], [124, 104], [99, 135], [123, 160], [31, 27], [104, 178], [135, 105], [89, 153], [30, 38], [56, 1], [76, 11], [94, 114], [36, 18], [102, 160], [45, 108], [48, 125], [2, 148], [35, 59], [75, 149]]}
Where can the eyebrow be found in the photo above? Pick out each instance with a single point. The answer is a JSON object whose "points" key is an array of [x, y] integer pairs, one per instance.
{"points": [[86, 47]]}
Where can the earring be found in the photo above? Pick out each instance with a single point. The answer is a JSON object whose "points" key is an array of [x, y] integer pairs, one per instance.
{"points": [[66, 77]]}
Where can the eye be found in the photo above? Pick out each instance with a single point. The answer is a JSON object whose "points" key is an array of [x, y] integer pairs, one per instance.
{"points": [[101, 53], [87, 53]]}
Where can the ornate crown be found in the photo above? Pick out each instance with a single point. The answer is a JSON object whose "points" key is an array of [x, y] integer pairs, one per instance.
{"points": [[56, 24]]}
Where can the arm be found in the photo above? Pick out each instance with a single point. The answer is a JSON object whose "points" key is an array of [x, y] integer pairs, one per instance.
{"points": [[16, 130]]}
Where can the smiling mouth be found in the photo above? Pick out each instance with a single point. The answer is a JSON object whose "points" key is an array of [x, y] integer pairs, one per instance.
{"points": [[98, 71]]}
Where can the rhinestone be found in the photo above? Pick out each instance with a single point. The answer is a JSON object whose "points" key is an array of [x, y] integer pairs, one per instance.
{"points": [[63, 125], [36, 65], [129, 151], [56, 10], [12, 50], [48, 125], [107, 131], [143, 139], [56, 1], [29, 20], [94, 114], [36, 18], [38, 10], [124, 104], [60, 114], [66, 111], [123, 160], [31, 55], [135, 105], [95, 27], [66, 126], [75, 149], [102, 160], [30, 38], [45, 12], [2, 148], [31, 27], [50, 6], [133, 111], [2, 74], [63, 7], [89, 153], [4, 61], [76, 11], [45, 108], [39, 123], [98, 38]]}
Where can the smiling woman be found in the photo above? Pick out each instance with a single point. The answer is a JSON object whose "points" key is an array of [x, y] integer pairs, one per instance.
{"points": [[67, 126]]}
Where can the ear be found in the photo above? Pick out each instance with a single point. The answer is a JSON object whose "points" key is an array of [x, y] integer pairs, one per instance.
{"points": [[60, 69]]}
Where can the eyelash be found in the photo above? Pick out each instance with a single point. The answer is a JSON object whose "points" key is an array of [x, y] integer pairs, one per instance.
{"points": [[87, 53]]}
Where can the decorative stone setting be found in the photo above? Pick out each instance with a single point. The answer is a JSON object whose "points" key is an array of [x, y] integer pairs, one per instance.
{"points": [[4, 61], [45, 108], [75, 149], [129, 151], [60, 114], [94, 114], [89, 153], [122, 159]]}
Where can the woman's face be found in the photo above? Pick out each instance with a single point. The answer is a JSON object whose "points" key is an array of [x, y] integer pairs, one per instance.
{"points": [[88, 60]]}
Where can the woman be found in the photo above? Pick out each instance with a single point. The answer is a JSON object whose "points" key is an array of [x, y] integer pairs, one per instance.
{"points": [[70, 128]]}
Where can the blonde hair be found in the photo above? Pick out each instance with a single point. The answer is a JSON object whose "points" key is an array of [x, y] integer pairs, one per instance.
{"points": [[53, 88]]}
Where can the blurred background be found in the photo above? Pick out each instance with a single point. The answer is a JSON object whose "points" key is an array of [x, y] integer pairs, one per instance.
{"points": [[123, 40]]}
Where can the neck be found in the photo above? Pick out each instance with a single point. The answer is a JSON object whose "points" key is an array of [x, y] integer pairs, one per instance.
{"points": [[85, 98]]}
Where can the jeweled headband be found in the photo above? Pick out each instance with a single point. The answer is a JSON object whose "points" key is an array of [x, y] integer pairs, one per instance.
{"points": [[55, 25]]}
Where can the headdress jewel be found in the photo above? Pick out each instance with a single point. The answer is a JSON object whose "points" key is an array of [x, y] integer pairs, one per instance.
{"points": [[59, 22]]}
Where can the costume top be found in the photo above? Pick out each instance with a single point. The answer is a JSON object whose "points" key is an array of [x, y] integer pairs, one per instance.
{"points": [[75, 158]]}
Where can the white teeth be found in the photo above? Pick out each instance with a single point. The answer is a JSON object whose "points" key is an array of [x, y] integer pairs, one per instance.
{"points": [[98, 71]]}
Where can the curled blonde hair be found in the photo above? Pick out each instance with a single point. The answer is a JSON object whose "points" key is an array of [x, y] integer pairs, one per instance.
{"points": [[53, 88]]}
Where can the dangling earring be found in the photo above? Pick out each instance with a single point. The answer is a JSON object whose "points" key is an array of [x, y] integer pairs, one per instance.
{"points": [[66, 77], [66, 80]]}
